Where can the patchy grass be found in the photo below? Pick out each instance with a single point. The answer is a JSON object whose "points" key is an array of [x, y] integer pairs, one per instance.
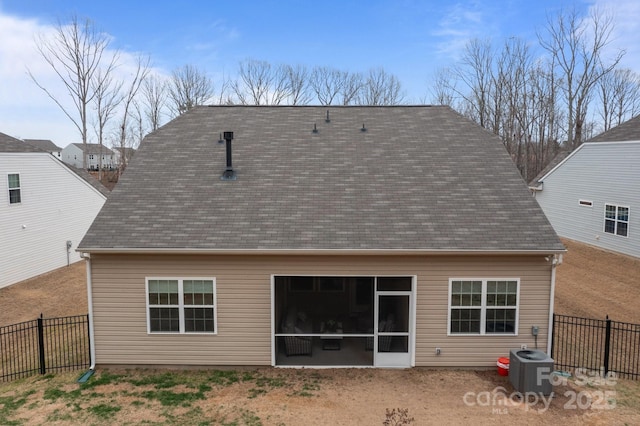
{"points": [[292, 397], [104, 411], [165, 397]]}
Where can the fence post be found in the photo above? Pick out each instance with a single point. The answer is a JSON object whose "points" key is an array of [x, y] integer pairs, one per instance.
{"points": [[43, 368], [607, 343], [553, 332]]}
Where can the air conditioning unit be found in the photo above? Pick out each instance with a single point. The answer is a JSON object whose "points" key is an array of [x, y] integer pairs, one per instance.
{"points": [[530, 371]]}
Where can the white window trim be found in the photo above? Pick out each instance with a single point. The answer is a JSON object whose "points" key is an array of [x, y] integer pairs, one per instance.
{"points": [[615, 220], [181, 305], [585, 203], [19, 188], [483, 307]]}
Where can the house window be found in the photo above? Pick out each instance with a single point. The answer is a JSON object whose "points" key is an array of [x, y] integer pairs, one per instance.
{"points": [[14, 189], [178, 305], [483, 306], [616, 220], [91, 157]]}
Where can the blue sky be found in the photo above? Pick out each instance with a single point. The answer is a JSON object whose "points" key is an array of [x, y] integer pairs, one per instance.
{"points": [[409, 38]]}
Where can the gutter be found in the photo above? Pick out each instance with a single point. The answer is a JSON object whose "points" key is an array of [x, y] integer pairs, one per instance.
{"points": [[92, 345], [536, 188], [557, 260], [302, 252]]}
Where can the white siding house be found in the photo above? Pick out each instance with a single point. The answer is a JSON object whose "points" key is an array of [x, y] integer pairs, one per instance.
{"points": [[72, 154], [593, 195], [43, 205]]}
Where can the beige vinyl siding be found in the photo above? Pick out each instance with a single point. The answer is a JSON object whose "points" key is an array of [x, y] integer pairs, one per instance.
{"points": [[244, 305]]}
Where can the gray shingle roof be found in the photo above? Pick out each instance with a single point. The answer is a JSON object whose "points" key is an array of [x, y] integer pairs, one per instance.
{"points": [[94, 148], [11, 144], [419, 178], [88, 177], [627, 131], [43, 144]]}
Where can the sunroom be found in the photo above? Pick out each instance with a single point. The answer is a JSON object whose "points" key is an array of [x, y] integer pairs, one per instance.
{"points": [[343, 321]]}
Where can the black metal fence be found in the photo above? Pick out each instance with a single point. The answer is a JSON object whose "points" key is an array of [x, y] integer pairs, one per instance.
{"points": [[596, 345], [44, 345]]}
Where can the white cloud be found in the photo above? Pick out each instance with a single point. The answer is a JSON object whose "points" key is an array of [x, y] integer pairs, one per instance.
{"points": [[461, 22], [25, 110]]}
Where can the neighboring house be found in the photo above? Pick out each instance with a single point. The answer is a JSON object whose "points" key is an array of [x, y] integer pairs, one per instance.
{"points": [[593, 194], [72, 154], [46, 145], [337, 236], [44, 205]]}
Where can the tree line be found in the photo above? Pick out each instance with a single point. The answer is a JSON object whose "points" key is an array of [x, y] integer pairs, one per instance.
{"points": [[121, 106], [541, 104], [537, 104]]}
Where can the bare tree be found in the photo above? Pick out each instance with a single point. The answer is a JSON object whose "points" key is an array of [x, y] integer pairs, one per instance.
{"points": [[298, 80], [475, 72], [106, 100], [443, 88], [619, 97], [326, 83], [260, 83], [189, 87], [380, 88], [154, 92], [351, 87], [75, 54], [510, 95], [577, 46], [138, 77]]}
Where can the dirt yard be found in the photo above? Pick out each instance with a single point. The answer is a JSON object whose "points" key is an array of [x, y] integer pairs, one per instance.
{"points": [[57, 293], [594, 283], [590, 282]]}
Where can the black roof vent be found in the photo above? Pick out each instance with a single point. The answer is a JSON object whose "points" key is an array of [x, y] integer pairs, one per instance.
{"points": [[229, 173], [363, 129], [327, 120], [220, 140], [315, 129]]}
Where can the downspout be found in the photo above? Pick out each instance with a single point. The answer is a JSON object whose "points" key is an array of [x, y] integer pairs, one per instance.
{"points": [[557, 260], [92, 347]]}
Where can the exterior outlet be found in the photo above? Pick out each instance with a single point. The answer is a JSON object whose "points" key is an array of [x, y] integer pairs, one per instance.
{"points": [[438, 351], [523, 346]]}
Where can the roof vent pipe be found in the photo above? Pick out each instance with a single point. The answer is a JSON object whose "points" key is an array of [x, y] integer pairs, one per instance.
{"points": [[229, 173], [327, 120]]}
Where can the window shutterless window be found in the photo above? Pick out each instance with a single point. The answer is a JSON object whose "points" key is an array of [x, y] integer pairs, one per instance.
{"points": [[483, 306], [616, 220], [14, 188], [181, 305]]}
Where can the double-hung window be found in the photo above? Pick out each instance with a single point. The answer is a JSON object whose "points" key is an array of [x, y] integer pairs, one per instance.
{"points": [[616, 220], [181, 305], [14, 188], [483, 306]]}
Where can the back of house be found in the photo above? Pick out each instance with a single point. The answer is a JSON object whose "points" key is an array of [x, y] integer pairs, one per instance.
{"points": [[319, 236]]}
